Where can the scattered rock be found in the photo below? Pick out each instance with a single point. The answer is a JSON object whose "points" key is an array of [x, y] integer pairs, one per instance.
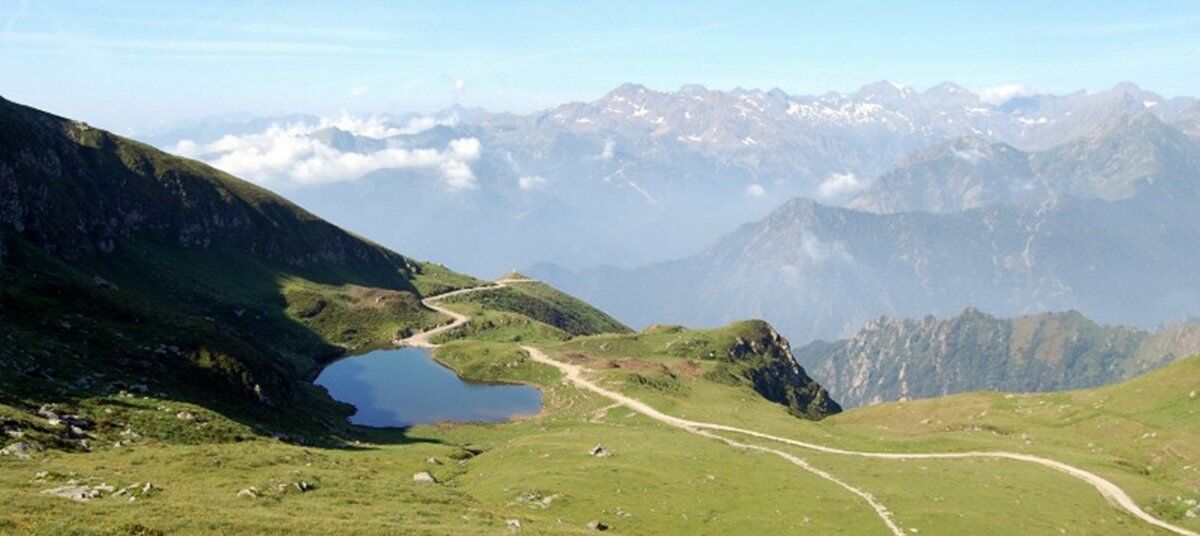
{"points": [[595, 524], [533, 499], [74, 493], [513, 524], [433, 461], [600, 452], [304, 486], [47, 412], [104, 283], [21, 450], [248, 493], [1192, 395], [425, 477], [185, 416]]}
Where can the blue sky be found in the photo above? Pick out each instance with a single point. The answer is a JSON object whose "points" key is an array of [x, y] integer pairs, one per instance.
{"points": [[132, 65]]}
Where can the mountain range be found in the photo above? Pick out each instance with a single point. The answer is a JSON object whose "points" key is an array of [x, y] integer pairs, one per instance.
{"points": [[918, 202], [163, 323], [1126, 156], [1083, 225], [623, 179]]}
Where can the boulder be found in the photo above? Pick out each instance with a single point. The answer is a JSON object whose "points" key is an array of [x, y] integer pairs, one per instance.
{"points": [[47, 412], [21, 450], [599, 451], [304, 486], [425, 477], [596, 524]]}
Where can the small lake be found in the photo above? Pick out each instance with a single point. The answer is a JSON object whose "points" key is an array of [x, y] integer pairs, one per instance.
{"points": [[406, 386]]}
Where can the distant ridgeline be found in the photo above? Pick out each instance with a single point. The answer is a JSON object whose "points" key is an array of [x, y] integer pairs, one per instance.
{"points": [[899, 359], [1105, 224]]}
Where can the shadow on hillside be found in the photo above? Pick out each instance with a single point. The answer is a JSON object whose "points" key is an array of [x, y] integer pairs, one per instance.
{"points": [[158, 325]]}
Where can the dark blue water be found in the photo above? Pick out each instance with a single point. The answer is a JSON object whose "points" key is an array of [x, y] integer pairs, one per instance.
{"points": [[405, 387]]}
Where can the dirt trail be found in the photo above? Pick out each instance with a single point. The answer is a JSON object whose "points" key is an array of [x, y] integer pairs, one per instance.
{"points": [[424, 338], [1111, 492], [574, 373]]}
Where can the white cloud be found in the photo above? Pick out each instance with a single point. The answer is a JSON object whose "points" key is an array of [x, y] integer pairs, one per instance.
{"points": [[1001, 94], [459, 84], [360, 90], [289, 155], [530, 182], [372, 126], [756, 190], [839, 185], [187, 148]]}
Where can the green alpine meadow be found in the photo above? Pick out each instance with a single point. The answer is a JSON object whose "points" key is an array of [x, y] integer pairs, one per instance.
{"points": [[377, 269]]}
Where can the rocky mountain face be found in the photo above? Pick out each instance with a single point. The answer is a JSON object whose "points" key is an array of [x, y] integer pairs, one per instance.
{"points": [[901, 359], [816, 271], [1132, 154], [1128, 155], [1084, 225], [624, 177], [965, 173]]}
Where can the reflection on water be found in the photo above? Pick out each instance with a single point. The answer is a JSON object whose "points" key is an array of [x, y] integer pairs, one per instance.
{"points": [[405, 386]]}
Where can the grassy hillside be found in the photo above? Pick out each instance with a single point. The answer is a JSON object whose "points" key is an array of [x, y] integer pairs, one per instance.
{"points": [[750, 354], [658, 480], [1144, 434], [125, 266], [538, 302]]}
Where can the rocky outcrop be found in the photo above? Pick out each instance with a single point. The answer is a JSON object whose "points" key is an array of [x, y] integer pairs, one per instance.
{"points": [[898, 359], [763, 357]]}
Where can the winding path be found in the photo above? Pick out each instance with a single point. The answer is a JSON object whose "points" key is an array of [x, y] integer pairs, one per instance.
{"points": [[1107, 489], [423, 339], [575, 374]]}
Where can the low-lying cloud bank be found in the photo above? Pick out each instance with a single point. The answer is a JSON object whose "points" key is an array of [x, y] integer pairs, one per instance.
{"points": [[290, 155]]}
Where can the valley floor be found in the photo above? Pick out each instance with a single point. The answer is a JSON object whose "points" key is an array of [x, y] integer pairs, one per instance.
{"points": [[664, 464]]}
